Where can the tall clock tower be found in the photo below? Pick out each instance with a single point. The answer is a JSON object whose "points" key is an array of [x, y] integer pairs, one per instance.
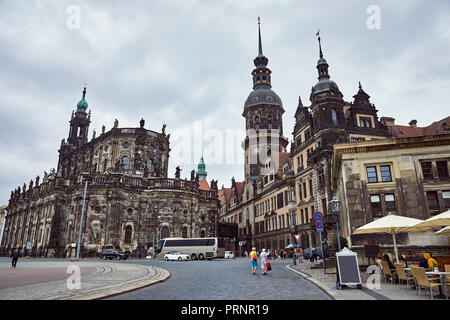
{"points": [[263, 112]]}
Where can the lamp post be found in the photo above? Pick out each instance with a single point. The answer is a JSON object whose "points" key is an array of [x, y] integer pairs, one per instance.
{"points": [[292, 229], [335, 206], [81, 222]]}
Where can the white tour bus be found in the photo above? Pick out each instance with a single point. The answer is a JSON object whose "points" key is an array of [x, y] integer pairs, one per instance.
{"points": [[195, 248]]}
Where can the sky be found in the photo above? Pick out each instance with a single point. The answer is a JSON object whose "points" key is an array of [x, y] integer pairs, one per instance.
{"points": [[188, 64]]}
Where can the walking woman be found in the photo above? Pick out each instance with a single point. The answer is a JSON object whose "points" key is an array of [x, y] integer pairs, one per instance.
{"points": [[263, 257], [253, 260]]}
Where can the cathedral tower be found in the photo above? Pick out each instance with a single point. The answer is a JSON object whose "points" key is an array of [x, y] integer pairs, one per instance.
{"points": [[79, 123]]}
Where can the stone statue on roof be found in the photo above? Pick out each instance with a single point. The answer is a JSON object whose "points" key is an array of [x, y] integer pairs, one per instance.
{"points": [[177, 172]]}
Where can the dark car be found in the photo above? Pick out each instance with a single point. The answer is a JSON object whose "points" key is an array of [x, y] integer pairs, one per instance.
{"points": [[307, 253], [113, 254]]}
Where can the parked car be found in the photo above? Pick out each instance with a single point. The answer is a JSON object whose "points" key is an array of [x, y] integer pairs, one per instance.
{"points": [[307, 253], [229, 255], [113, 254], [175, 255]]}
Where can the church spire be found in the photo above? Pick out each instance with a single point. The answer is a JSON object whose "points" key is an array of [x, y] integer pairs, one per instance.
{"points": [[261, 75], [260, 61], [260, 42], [320, 45], [322, 64]]}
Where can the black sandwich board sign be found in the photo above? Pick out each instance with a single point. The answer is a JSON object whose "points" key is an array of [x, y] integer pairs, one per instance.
{"points": [[347, 269]]}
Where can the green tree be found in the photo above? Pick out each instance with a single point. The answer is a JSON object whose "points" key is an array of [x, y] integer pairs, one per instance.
{"points": [[344, 243]]}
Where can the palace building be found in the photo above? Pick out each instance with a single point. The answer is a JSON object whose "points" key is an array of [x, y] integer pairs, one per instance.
{"points": [[406, 175], [130, 201], [283, 189]]}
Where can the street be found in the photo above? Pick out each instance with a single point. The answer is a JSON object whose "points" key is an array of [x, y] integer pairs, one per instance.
{"points": [[224, 279]]}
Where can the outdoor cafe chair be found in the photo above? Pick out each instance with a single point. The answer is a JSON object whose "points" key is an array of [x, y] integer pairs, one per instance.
{"points": [[422, 280], [388, 273], [447, 269], [402, 276]]}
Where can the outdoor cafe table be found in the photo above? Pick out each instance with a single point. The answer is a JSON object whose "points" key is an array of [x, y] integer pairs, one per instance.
{"points": [[442, 276]]}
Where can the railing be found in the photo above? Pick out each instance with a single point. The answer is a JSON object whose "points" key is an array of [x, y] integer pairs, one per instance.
{"points": [[320, 150], [117, 180]]}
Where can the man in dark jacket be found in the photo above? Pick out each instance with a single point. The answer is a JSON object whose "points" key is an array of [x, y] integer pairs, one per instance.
{"points": [[15, 257]]}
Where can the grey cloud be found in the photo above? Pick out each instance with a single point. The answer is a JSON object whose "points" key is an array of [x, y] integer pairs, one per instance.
{"points": [[176, 62]]}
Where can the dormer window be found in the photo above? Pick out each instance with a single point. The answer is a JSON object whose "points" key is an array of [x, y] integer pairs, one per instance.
{"points": [[365, 122]]}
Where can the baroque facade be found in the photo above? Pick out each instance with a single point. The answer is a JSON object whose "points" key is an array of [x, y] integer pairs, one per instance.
{"points": [[129, 197]]}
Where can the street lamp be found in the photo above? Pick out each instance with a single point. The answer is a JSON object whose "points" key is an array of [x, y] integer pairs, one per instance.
{"points": [[292, 229], [81, 222], [335, 206]]}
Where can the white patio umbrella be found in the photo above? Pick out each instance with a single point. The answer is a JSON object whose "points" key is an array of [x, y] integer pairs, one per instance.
{"points": [[391, 224], [445, 230], [440, 220]]}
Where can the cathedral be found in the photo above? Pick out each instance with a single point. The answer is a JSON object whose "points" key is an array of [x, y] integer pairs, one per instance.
{"points": [[130, 201]]}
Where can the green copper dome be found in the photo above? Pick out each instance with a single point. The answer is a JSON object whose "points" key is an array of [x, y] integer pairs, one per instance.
{"points": [[82, 105], [201, 169]]}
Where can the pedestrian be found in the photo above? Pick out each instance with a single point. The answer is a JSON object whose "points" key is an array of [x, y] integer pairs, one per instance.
{"points": [[15, 257], [263, 257], [316, 256], [253, 260], [325, 248]]}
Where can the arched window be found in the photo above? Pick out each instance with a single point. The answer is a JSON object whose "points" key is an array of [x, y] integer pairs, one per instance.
{"points": [[165, 232], [184, 232], [150, 165], [128, 233], [202, 234], [126, 162], [334, 116]]}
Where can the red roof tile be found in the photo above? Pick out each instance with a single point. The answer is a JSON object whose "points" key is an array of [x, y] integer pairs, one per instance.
{"points": [[434, 128], [203, 185]]}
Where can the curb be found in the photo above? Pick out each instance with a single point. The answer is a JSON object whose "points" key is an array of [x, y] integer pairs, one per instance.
{"points": [[163, 276], [311, 279]]}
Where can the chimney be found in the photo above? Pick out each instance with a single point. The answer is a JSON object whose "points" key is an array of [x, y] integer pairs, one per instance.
{"points": [[413, 123], [388, 121]]}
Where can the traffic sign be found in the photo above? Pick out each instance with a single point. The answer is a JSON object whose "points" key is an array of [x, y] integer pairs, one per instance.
{"points": [[297, 236], [242, 243], [318, 216], [319, 226]]}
